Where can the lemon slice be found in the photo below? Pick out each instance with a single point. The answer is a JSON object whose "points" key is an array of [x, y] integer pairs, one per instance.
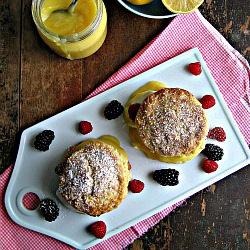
{"points": [[182, 6], [140, 2]]}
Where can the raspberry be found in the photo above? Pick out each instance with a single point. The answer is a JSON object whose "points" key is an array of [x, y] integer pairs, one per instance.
{"points": [[195, 68], [129, 166], [209, 166], [166, 177], [213, 152], [207, 101], [49, 209], [217, 133], [136, 186], [98, 229], [132, 110], [113, 110], [85, 127], [44, 139]]}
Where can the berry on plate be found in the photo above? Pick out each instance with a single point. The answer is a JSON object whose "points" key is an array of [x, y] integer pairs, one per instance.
{"points": [[207, 101], [85, 127], [213, 152], [217, 133], [44, 139], [98, 229], [132, 110], [113, 110], [49, 209], [209, 166], [195, 68], [136, 186], [166, 177]]}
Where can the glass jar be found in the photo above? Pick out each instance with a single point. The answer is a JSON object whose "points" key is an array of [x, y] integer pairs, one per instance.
{"points": [[78, 45]]}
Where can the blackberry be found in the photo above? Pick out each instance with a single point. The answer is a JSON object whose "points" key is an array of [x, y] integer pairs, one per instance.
{"points": [[49, 209], [60, 168], [44, 139], [113, 110], [213, 152], [166, 177]]}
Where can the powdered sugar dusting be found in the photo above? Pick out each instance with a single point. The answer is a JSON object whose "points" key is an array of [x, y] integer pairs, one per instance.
{"points": [[171, 122], [90, 176]]}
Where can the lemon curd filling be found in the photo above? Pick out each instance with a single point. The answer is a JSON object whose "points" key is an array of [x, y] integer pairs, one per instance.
{"points": [[95, 176], [108, 139], [137, 97], [140, 2], [63, 23], [73, 35], [137, 143]]}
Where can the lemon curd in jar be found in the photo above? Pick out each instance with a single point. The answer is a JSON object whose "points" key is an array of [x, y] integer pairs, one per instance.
{"points": [[71, 35]]}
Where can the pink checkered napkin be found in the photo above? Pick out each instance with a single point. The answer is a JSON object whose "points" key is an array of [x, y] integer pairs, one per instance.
{"points": [[231, 73], [228, 67]]}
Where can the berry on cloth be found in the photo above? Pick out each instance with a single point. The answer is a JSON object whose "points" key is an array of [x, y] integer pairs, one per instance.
{"points": [[49, 209], [209, 166], [44, 139], [98, 229], [132, 110], [113, 110], [85, 127], [195, 68], [217, 133], [136, 186], [213, 152], [166, 177], [207, 101]]}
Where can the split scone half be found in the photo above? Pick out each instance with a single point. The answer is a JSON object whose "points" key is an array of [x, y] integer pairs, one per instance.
{"points": [[170, 124], [94, 177]]}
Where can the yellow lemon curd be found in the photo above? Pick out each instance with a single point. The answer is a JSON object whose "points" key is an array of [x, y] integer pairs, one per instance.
{"points": [[140, 2], [74, 35], [137, 143], [137, 97], [108, 139]]}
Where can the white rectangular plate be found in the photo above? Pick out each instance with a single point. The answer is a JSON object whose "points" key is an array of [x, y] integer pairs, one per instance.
{"points": [[34, 170]]}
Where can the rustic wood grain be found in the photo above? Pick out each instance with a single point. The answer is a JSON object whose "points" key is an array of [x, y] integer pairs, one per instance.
{"points": [[49, 83], [231, 19], [36, 84], [215, 218], [9, 79], [127, 35]]}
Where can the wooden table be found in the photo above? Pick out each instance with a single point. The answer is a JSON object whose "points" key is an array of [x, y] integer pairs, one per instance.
{"points": [[36, 84]]}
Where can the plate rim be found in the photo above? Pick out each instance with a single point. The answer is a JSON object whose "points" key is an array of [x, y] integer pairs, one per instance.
{"points": [[123, 3]]}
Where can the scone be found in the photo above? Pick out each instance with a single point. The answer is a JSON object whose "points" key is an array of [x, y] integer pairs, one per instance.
{"points": [[170, 125], [94, 179]]}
